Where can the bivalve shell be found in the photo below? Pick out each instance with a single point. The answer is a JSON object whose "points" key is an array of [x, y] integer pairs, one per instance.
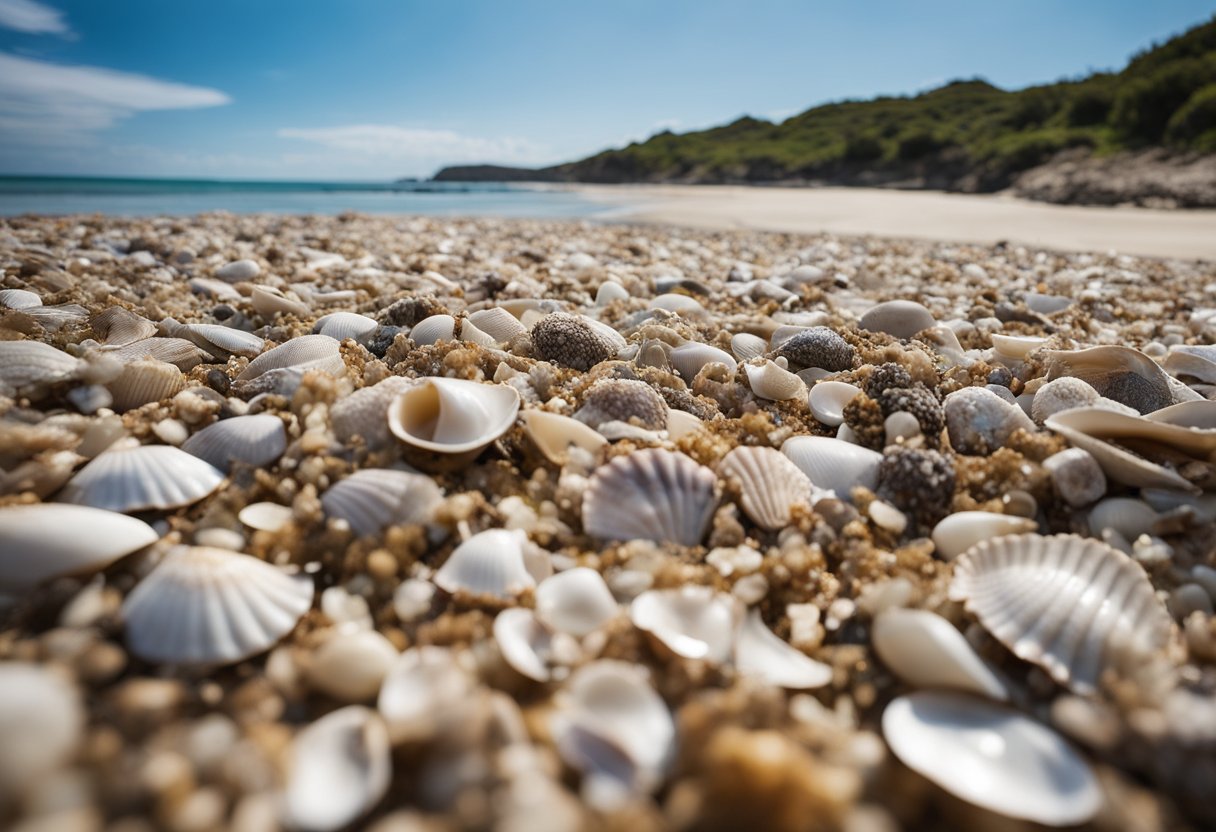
{"points": [[770, 484], [26, 366], [340, 767], [269, 301], [185, 355], [960, 531], [576, 601], [927, 651], [117, 327], [759, 653], [222, 341], [689, 358], [530, 647], [141, 382], [258, 441], [651, 494], [694, 621], [834, 464], [142, 478], [452, 416], [308, 352], [343, 325], [498, 323], [1121, 373], [1092, 429], [900, 318], [492, 562], [375, 498], [434, 329], [19, 299], [746, 346], [423, 692], [828, 399], [554, 435]]}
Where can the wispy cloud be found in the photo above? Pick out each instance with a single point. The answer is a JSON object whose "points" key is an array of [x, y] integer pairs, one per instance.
{"points": [[44, 103], [417, 147], [32, 17]]}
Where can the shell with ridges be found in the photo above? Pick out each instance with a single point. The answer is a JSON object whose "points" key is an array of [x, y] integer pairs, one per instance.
{"points": [[28, 365], [1121, 373], [651, 494], [185, 355], [488, 563], [117, 327], [371, 499], [746, 346], [365, 412], [343, 325], [308, 352], [141, 382], [834, 464], [142, 478], [434, 329], [927, 651], [222, 341], [19, 299], [769, 483], [269, 301], [498, 323], [257, 440], [452, 416]]}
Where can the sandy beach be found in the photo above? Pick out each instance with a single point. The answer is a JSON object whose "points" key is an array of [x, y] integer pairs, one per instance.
{"points": [[925, 215]]}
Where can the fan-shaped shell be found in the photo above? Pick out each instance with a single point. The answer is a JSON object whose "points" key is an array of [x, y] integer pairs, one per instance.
{"points": [[828, 399], [258, 440], [770, 484], [489, 563], [117, 326], [652, 494], [222, 341], [693, 621], [343, 325], [374, 498], [834, 464], [769, 381], [555, 434], [28, 365], [52, 318], [960, 531], [142, 478], [269, 301], [49, 540], [927, 651], [141, 382], [1066, 603], [434, 329], [992, 756], [576, 601], [212, 606], [759, 653], [308, 352], [183, 354], [498, 323], [365, 412], [688, 359], [1090, 428], [452, 416], [19, 299], [746, 346]]}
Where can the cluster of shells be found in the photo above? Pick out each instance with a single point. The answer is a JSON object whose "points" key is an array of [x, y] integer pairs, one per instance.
{"points": [[418, 524]]}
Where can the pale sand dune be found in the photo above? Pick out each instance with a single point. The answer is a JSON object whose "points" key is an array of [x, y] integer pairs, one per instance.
{"points": [[919, 214]]}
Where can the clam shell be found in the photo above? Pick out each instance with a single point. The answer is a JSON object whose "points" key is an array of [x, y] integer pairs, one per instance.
{"points": [[828, 399], [610, 291], [530, 647], [1015, 348], [141, 382], [993, 757], [1065, 603], [28, 365], [343, 325], [1197, 362], [365, 413], [308, 352], [212, 606], [576, 601], [372, 499], [652, 494], [1121, 373], [746, 346], [555, 434], [693, 621], [1088, 428], [340, 767], [1128, 516], [452, 416], [434, 329], [960, 531], [183, 354], [142, 478], [222, 341], [265, 517], [768, 381], [680, 423], [769, 483], [269, 301], [257, 441], [834, 464], [927, 651], [118, 327], [423, 692], [489, 563], [50, 540], [19, 299], [688, 359], [351, 664], [498, 323], [680, 304], [238, 271], [900, 318], [42, 720], [762, 655], [53, 318]]}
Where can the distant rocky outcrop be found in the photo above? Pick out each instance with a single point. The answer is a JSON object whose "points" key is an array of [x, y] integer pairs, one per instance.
{"points": [[494, 173]]}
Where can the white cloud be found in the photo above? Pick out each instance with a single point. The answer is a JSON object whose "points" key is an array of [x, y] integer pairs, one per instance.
{"points": [[43, 103], [32, 17], [416, 147]]}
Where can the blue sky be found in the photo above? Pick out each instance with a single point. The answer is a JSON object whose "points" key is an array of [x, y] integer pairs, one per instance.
{"points": [[375, 89]]}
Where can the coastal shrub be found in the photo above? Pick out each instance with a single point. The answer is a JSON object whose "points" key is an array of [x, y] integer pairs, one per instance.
{"points": [[1144, 105], [917, 146], [1089, 106], [1194, 124], [862, 149]]}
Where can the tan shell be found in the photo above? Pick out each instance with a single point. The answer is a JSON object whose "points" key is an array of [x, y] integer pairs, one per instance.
{"points": [[958, 532], [269, 301], [373, 498], [141, 382], [117, 327], [555, 434], [651, 494], [452, 416], [222, 341], [770, 484], [746, 346], [19, 299], [769, 381]]}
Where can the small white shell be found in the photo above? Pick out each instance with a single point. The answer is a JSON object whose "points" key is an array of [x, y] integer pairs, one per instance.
{"points": [[770, 484], [530, 647], [141, 382], [576, 601], [555, 434], [452, 416], [680, 304], [489, 563], [694, 621], [343, 325], [1126, 515], [498, 323], [42, 721], [927, 651], [470, 334], [183, 354], [269, 301], [238, 271], [308, 352], [374, 498], [19, 299], [49, 540], [610, 291], [828, 399], [340, 767], [680, 423], [1015, 348], [266, 517], [768, 381], [992, 756], [212, 606], [1046, 304], [258, 441], [423, 692], [1192, 361], [1066, 603], [27, 365], [960, 531], [689, 358], [834, 464], [434, 329], [761, 654], [746, 346], [142, 478], [351, 664], [651, 494]]}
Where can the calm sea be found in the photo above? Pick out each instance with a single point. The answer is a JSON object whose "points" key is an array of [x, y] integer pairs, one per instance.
{"points": [[176, 197]]}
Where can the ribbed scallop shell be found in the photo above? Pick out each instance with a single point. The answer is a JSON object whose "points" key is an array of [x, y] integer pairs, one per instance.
{"points": [[257, 440], [555, 434], [212, 606], [308, 352], [746, 346], [365, 412], [183, 354], [142, 478], [26, 365], [374, 498], [117, 327], [343, 325], [688, 359], [769, 381], [833, 463], [19, 299], [652, 494], [828, 400], [498, 323], [270, 301], [1066, 603], [770, 484], [49, 540], [489, 563], [54, 317], [434, 329], [141, 382], [452, 416], [221, 341]]}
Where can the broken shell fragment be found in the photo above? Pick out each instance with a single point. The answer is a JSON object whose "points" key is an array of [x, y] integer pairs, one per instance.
{"points": [[759, 653], [834, 464], [828, 399], [769, 381], [927, 651], [694, 621], [960, 531], [576, 601], [555, 434]]}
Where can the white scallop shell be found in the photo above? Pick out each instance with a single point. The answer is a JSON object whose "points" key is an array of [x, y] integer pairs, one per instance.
{"points": [[1066, 603], [422, 693], [265, 517], [770, 484], [530, 647], [269, 301], [118, 327], [927, 651], [960, 531], [693, 621], [19, 299], [828, 399], [993, 757], [434, 329], [759, 653], [492, 562], [49, 540], [746, 346], [554, 434], [1079, 427], [498, 323], [372, 499], [452, 416], [308, 352], [340, 767], [27, 365], [365, 412], [183, 354], [141, 382], [769, 381], [343, 325], [576, 601], [258, 440], [222, 341], [834, 464], [689, 358], [212, 606], [42, 720], [651, 494], [142, 478]]}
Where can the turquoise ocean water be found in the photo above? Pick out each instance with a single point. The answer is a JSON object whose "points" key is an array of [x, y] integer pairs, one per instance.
{"points": [[177, 197]]}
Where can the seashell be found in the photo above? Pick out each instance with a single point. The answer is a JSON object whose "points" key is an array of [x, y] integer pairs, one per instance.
{"points": [[576, 601], [498, 323], [623, 400], [746, 346], [212, 606], [221, 341], [960, 531], [760, 290], [769, 483], [1046, 304], [308, 352], [784, 333], [238, 271], [489, 563], [575, 341], [828, 399], [42, 475], [42, 720], [651, 494], [689, 358], [269, 301], [1121, 373], [833, 464], [372, 499], [53, 318], [469, 333], [1090, 429], [257, 441], [610, 291], [1126, 515], [351, 664], [364, 413], [217, 289], [343, 325], [927, 651], [1200, 416], [555, 434], [992, 756], [339, 768], [762, 655], [1065, 603], [423, 692], [265, 517], [142, 478], [434, 329], [27, 366], [50, 540], [900, 318], [680, 304], [816, 346], [1190, 361], [769, 381], [1012, 349], [693, 621], [141, 382], [452, 416], [530, 647], [19, 299], [117, 327], [183, 354], [680, 423]]}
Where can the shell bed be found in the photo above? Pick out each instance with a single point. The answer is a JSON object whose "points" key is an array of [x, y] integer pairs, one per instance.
{"points": [[419, 524]]}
